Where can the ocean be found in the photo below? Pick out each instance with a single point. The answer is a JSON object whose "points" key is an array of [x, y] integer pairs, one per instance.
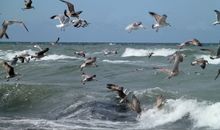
{"points": [[49, 93]]}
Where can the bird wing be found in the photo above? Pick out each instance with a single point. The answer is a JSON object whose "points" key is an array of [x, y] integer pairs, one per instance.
{"points": [[162, 19], [217, 15], [28, 3], [156, 16], [57, 40], [69, 5], [61, 18], [19, 22]]}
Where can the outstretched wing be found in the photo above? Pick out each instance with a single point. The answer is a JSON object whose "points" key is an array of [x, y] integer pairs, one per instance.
{"points": [[61, 18], [28, 3], [69, 5], [156, 16], [19, 22], [217, 15]]}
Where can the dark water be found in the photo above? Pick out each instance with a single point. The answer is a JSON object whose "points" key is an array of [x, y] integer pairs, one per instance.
{"points": [[49, 94]]}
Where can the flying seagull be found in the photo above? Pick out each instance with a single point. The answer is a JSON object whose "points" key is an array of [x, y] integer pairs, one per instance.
{"points": [[194, 42], [71, 12], [178, 58], [218, 17], [134, 26], [28, 4], [5, 26], [217, 55], [64, 21], [160, 21], [200, 62]]}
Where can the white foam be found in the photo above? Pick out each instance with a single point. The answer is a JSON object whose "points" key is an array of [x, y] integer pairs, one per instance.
{"points": [[203, 114], [207, 57], [145, 52], [58, 57], [122, 61], [9, 54]]}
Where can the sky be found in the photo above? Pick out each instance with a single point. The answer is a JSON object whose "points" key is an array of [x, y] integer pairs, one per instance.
{"points": [[188, 18]]}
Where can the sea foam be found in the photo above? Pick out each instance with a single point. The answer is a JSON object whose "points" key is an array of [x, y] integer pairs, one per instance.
{"points": [[145, 52], [202, 114]]}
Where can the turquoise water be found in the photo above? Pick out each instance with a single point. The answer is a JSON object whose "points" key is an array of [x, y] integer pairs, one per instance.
{"points": [[50, 95]]}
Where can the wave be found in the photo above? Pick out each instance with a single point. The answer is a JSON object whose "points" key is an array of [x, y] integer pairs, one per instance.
{"points": [[145, 52], [58, 57], [207, 57], [122, 61], [9, 54], [202, 114]]}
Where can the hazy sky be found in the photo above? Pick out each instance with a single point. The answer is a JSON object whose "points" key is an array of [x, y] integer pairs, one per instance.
{"points": [[108, 18]]}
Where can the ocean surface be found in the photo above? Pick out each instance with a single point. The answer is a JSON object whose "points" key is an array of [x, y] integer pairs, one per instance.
{"points": [[49, 93]]}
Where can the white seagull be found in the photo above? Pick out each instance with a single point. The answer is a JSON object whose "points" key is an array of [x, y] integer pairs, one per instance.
{"points": [[160, 21], [134, 26], [64, 21], [218, 17]]}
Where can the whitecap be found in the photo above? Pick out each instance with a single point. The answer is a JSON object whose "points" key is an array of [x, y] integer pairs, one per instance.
{"points": [[202, 114], [145, 52]]}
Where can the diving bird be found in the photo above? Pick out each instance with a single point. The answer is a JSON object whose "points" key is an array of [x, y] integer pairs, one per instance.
{"points": [[64, 21], [71, 11], [200, 62], [134, 26], [5, 25], [178, 58], [160, 21], [215, 56], [194, 42], [28, 4], [218, 18]]}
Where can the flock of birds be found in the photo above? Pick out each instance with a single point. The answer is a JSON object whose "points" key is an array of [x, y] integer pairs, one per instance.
{"points": [[71, 17]]}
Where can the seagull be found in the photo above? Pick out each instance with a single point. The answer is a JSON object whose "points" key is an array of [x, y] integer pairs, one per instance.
{"points": [[212, 52], [134, 26], [86, 78], [118, 89], [71, 12], [9, 70], [160, 21], [64, 21], [200, 62], [28, 4], [218, 17], [87, 62], [177, 57], [194, 42], [5, 26]]}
